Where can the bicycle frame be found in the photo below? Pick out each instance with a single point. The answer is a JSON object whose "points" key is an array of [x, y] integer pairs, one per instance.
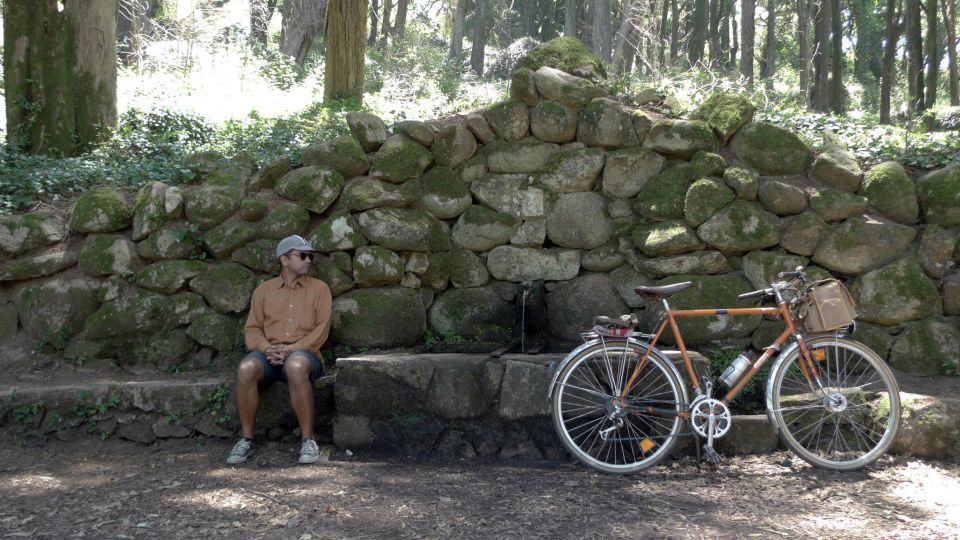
{"points": [[670, 317]]}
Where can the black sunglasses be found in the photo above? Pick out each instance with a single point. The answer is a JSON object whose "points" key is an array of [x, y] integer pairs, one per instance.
{"points": [[304, 255]]}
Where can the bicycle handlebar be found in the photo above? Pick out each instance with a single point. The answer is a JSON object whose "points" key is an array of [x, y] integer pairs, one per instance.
{"points": [[797, 272], [754, 294]]}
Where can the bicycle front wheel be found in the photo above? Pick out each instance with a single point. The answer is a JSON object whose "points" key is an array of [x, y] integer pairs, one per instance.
{"points": [[609, 434], [847, 424]]}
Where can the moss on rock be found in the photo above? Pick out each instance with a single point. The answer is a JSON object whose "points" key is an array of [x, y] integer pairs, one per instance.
{"points": [[705, 197], [726, 112], [168, 277], [895, 293], [771, 149], [314, 188], [568, 54], [890, 190], [662, 197], [836, 205], [100, 210], [940, 196], [741, 226], [400, 159], [444, 195], [103, 255], [225, 286]]}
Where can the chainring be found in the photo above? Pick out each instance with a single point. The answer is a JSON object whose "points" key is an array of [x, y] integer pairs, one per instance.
{"points": [[700, 411]]}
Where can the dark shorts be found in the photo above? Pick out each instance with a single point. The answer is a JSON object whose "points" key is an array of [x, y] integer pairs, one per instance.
{"points": [[272, 373]]}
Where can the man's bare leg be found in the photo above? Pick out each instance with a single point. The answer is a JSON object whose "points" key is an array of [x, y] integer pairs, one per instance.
{"points": [[297, 370], [249, 373]]}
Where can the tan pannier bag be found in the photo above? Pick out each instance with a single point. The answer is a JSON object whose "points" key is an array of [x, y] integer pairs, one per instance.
{"points": [[828, 307]]}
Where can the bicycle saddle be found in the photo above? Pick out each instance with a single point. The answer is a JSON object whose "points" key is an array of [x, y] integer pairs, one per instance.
{"points": [[664, 291]]}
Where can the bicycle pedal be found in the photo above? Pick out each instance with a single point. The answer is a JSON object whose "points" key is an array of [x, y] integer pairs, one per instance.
{"points": [[711, 454]]}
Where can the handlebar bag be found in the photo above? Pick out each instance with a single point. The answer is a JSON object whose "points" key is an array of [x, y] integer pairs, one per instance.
{"points": [[828, 306]]}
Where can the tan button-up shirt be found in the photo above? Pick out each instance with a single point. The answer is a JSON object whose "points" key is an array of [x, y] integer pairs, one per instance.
{"points": [[298, 316]]}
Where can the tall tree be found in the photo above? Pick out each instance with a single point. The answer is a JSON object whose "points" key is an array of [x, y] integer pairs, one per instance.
{"points": [[674, 31], [345, 40], [302, 21], [950, 23], [914, 56], [662, 33], [601, 29], [747, 30], [867, 50], [769, 64], [570, 18], [713, 30], [374, 18], [385, 24], [821, 56], [803, 44], [836, 58], [891, 36], [261, 11], [456, 40], [698, 33], [60, 74], [933, 59], [400, 25], [623, 49], [479, 37]]}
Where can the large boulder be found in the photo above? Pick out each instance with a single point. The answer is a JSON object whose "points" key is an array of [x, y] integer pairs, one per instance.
{"points": [[168, 277], [227, 237], [554, 122], [481, 229], [259, 255], [175, 240], [222, 332], [573, 170], [699, 262], [663, 196], [609, 124], [741, 226], [42, 263], [726, 112], [930, 426], [570, 90], [403, 229], [801, 234], [951, 294], [896, 293], [343, 154], [314, 188], [836, 166], [665, 239], [940, 196], [333, 273], [580, 221], [781, 198], [400, 159], [891, 192], [522, 86], [572, 306], [513, 194], [861, 244], [54, 310], [762, 267], [466, 268], [368, 129], [133, 312], [626, 280], [628, 170], [509, 119], [927, 347], [266, 177], [282, 220], [378, 317], [225, 286], [704, 198], [937, 246], [26, 232], [835, 205], [234, 172], [478, 313], [709, 292], [338, 232], [742, 181], [681, 138], [518, 157], [375, 265], [565, 53], [421, 132], [509, 263], [453, 144], [770, 149], [208, 205], [149, 209], [100, 210], [364, 193], [106, 254], [602, 259]]}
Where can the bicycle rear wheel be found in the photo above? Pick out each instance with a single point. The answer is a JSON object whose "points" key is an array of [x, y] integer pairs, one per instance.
{"points": [[608, 435], [852, 421]]}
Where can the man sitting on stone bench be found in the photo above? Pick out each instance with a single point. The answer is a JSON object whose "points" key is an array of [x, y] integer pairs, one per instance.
{"points": [[289, 321]]}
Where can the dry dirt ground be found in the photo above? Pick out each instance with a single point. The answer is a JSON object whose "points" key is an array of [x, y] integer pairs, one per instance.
{"points": [[116, 489]]}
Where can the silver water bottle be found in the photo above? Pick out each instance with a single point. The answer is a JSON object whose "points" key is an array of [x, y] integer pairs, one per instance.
{"points": [[736, 369]]}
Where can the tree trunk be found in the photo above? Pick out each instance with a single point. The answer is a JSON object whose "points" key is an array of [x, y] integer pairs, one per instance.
{"points": [[385, 24], [456, 41], [601, 29], [345, 32], [725, 7], [400, 25], [570, 18], [836, 58], [374, 17], [479, 37], [302, 21], [867, 53], [891, 36], [527, 12], [803, 45], [947, 7], [734, 35], [674, 31], [915, 56], [624, 49], [933, 59], [698, 34], [60, 74], [713, 31], [261, 11], [747, 29], [821, 57], [662, 33], [770, 44]]}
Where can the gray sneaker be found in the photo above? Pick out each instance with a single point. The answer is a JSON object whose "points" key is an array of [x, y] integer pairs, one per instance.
{"points": [[241, 452], [309, 452]]}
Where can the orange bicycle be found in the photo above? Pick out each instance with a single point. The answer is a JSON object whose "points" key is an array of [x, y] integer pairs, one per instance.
{"points": [[619, 405]]}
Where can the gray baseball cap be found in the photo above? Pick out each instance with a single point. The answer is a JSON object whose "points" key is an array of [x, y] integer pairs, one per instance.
{"points": [[293, 242]]}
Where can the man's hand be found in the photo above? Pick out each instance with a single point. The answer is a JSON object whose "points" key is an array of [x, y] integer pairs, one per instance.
{"points": [[277, 354]]}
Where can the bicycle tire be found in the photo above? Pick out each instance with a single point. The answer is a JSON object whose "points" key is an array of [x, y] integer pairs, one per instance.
{"points": [[853, 423], [582, 397]]}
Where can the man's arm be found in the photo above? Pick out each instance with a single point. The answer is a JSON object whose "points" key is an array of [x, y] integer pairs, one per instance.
{"points": [[316, 338], [253, 333]]}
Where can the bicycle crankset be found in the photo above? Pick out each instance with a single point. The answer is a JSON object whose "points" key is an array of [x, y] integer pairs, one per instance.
{"points": [[710, 418]]}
